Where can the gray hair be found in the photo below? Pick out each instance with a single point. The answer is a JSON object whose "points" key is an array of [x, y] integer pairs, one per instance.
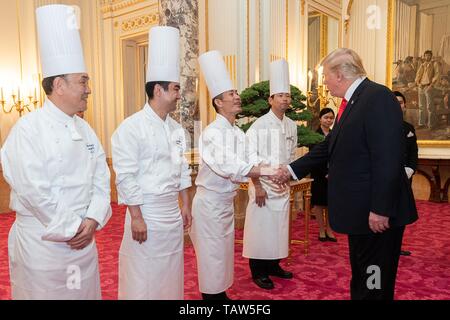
{"points": [[346, 61]]}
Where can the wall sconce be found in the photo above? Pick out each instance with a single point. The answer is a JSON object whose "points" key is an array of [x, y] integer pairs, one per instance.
{"points": [[19, 104], [322, 91]]}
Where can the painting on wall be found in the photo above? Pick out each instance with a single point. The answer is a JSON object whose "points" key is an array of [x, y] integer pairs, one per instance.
{"points": [[421, 66]]}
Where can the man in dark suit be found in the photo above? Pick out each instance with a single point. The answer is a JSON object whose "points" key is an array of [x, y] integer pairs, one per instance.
{"points": [[411, 150], [369, 195]]}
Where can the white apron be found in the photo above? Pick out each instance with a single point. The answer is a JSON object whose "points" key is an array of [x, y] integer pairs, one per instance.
{"points": [[46, 270], [154, 269], [212, 234], [266, 230]]}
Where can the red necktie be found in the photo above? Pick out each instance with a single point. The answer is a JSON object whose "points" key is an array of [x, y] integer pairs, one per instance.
{"points": [[341, 109]]}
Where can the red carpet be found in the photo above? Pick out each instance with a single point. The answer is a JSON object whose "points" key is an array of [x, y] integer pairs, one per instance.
{"points": [[322, 275]]}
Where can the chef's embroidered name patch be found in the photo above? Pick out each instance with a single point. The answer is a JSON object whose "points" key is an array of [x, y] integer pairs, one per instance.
{"points": [[90, 147]]}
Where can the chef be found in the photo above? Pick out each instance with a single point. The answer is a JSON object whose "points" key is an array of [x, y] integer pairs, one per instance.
{"points": [[272, 140], [58, 175], [224, 165], [151, 173]]}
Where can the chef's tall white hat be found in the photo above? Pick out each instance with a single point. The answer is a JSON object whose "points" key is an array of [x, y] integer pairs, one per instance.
{"points": [[164, 54], [60, 46], [279, 77], [215, 72]]}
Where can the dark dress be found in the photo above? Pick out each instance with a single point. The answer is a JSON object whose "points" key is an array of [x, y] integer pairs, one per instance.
{"points": [[319, 187], [411, 150]]}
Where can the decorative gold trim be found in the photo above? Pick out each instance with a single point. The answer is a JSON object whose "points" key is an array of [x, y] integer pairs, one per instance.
{"points": [[128, 13], [274, 57], [207, 24], [390, 42], [108, 6], [248, 43], [210, 112], [347, 21], [230, 62], [433, 143], [20, 40], [323, 36], [287, 27], [303, 7], [140, 22], [235, 70]]}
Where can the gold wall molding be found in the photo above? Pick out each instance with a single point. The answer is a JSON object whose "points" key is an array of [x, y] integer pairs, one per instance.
{"points": [[207, 24], [140, 22], [390, 42], [108, 6], [433, 143], [274, 57], [248, 43], [287, 28], [303, 7], [323, 36], [347, 19], [231, 64]]}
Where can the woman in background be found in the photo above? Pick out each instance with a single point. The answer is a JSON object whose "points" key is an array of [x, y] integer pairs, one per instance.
{"points": [[319, 199]]}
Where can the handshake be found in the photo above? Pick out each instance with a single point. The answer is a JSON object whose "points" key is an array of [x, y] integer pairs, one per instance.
{"points": [[279, 175]]}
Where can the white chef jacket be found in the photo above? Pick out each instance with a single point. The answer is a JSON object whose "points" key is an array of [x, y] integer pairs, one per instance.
{"points": [[151, 170], [272, 141], [224, 157], [39, 160], [266, 231], [224, 165], [140, 169], [57, 171]]}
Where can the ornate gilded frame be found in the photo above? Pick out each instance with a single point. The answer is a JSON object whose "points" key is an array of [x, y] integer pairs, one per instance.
{"points": [[389, 57]]}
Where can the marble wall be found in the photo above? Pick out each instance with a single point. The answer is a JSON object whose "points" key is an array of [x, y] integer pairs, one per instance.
{"points": [[184, 16]]}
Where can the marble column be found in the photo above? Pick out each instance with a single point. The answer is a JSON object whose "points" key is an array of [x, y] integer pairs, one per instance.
{"points": [[184, 16]]}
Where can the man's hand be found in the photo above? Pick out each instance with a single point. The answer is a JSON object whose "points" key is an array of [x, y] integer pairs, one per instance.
{"points": [[187, 217], [260, 196], [281, 176], [377, 223], [84, 236], [139, 229], [138, 224]]}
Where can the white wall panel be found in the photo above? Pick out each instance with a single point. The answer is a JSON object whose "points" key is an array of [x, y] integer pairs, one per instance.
{"points": [[368, 34]]}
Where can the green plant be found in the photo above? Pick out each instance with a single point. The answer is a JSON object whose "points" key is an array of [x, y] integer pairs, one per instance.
{"points": [[255, 104]]}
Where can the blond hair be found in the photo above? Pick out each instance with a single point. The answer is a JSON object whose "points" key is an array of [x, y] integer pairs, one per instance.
{"points": [[346, 61]]}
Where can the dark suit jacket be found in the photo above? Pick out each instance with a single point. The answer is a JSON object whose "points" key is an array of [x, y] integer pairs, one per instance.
{"points": [[411, 150], [365, 155]]}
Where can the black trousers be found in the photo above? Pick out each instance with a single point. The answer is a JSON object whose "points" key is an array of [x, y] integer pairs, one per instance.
{"points": [[217, 296], [262, 268], [374, 261]]}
